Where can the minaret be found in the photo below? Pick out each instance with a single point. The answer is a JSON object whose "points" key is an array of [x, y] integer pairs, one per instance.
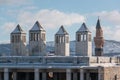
{"points": [[18, 42], [37, 40], [83, 41], [99, 40], [62, 42]]}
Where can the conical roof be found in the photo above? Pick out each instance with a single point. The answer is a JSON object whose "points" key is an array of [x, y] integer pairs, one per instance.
{"points": [[98, 26], [62, 30], [83, 28], [18, 29], [37, 27]]}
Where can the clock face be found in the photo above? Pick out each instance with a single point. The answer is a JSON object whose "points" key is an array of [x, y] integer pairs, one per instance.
{"points": [[50, 74]]}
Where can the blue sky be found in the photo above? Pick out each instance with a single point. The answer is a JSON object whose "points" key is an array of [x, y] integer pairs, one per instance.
{"points": [[53, 13]]}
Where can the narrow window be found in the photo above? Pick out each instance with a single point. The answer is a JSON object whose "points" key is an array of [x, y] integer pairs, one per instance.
{"points": [[82, 37], [85, 37]]}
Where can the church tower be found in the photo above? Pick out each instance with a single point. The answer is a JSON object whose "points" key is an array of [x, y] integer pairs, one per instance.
{"points": [[99, 40], [18, 42], [62, 42], [83, 41], [37, 40]]}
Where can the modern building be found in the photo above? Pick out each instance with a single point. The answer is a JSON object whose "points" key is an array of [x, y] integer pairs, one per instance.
{"points": [[62, 66]]}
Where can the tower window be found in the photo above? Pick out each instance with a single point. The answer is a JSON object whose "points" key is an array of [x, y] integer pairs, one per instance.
{"points": [[56, 39], [78, 37], [82, 37], [85, 37], [12, 40]]}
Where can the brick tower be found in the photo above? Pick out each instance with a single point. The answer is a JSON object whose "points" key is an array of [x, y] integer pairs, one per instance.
{"points": [[83, 41], [18, 42], [62, 42], [99, 40], [37, 40]]}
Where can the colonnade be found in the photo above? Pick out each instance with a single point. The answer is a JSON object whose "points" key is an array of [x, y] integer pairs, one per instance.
{"points": [[68, 73]]}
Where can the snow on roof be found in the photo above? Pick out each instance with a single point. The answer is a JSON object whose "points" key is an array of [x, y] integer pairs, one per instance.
{"points": [[83, 28], [62, 30], [18, 29], [37, 26]]}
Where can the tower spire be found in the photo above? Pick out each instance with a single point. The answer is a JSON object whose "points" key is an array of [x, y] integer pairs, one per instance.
{"points": [[98, 39]]}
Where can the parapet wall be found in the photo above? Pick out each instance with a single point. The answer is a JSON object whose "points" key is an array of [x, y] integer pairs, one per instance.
{"points": [[58, 60]]}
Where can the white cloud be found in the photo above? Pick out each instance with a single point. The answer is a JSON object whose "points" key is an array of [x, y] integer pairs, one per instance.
{"points": [[14, 2], [50, 18], [7, 28], [111, 16], [109, 32]]}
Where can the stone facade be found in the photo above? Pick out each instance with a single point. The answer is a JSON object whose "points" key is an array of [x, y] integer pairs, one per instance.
{"points": [[61, 66], [18, 42], [37, 40], [62, 42], [83, 42]]}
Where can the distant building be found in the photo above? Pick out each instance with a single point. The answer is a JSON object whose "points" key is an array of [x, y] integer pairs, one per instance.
{"points": [[62, 42], [37, 40], [83, 41], [18, 42], [38, 65]]}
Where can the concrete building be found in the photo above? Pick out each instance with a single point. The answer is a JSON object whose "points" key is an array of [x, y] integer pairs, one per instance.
{"points": [[62, 42], [60, 67], [18, 42], [37, 40], [83, 41]]}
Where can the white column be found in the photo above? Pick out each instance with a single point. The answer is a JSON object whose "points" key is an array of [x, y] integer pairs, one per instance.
{"points": [[14, 75], [6, 74], [36, 74], [75, 76], [81, 74], [68, 74], [44, 76]]}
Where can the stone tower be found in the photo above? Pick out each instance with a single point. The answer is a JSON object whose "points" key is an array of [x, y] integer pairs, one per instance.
{"points": [[62, 42], [37, 40], [83, 41], [18, 42], [99, 40]]}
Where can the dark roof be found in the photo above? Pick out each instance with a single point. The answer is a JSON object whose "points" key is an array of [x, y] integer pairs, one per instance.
{"points": [[98, 26], [18, 29], [83, 28], [62, 30]]}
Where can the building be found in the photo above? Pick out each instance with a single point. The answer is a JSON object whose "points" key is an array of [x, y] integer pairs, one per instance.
{"points": [[38, 66]]}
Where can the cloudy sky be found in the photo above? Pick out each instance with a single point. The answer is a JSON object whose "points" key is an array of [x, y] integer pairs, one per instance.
{"points": [[53, 13]]}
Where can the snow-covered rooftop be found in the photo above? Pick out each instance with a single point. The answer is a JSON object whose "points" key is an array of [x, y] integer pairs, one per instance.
{"points": [[37, 27], [83, 28], [62, 30], [18, 29]]}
